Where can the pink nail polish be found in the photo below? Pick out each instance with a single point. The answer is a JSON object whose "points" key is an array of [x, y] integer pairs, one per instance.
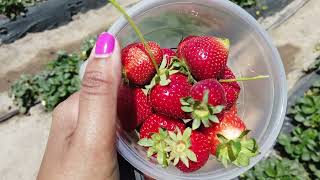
{"points": [[105, 45]]}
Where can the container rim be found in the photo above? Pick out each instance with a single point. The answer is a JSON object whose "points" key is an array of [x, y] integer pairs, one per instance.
{"points": [[140, 163]]}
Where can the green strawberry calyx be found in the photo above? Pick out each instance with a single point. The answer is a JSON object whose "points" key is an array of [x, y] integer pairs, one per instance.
{"points": [[170, 147], [181, 66], [157, 145], [162, 78], [225, 42], [179, 147], [237, 151], [201, 111]]}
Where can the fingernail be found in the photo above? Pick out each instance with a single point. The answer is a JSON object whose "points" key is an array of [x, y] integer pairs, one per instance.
{"points": [[105, 45]]}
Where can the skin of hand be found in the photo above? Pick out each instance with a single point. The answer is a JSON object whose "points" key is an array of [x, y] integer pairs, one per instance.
{"points": [[82, 139]]}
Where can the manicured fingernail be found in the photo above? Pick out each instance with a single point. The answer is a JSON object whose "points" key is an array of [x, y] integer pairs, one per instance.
{"points": [[105, 45]]}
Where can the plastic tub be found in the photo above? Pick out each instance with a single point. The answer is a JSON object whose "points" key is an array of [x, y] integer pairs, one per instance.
{"points": [[262, 103]]}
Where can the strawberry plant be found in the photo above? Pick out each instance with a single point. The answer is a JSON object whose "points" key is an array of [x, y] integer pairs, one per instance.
{"points": [[57, 82], [245, 3], [24, 92], [275, 167], [302, 144], [14, 8]]}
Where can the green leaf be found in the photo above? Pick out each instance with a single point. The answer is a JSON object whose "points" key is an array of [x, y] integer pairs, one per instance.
{"points": [[173, 136], [214, 118], [217, 109], [221, 138], [146, 142], [184, 102], [150, 152], [184, 159], [187, 109], [176, 161], [231, 155], [206, 123], [186, 120], [191, 155], [244, 133], [186, 134], [161, 158], [163, 63], [196, 124]]}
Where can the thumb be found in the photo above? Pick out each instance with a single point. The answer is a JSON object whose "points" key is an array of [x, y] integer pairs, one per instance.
{"points": [[96, 126]]}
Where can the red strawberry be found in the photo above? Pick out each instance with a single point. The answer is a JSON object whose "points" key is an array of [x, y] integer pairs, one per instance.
{"points": [[133, 107], [166, 99], [154, 122], [200, 147], [188, 151], [168, 53], [228, 140], [182, 43], [137, 63], [232, 89], [154, 132], [206, 56], [206, 99], [216, 92]]}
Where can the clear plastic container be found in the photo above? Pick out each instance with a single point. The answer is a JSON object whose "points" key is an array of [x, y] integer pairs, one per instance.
{"points": [[262, 103]]}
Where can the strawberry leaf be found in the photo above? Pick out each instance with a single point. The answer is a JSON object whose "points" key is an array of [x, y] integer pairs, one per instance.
{"points": [[150, 152], [196, 124], [214, 118], [146, 142], [244, 133], [184, 159], [186, 134], [191, 155], [187, 109]]}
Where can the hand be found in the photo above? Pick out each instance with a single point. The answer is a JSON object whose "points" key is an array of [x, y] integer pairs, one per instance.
{"points": [[81, 143]]}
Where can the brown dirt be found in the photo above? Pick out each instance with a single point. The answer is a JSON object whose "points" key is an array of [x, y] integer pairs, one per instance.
{"points": [[288, 53]]}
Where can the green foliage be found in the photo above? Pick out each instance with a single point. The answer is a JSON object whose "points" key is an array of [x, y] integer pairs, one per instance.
{"points": [[57, 82], [87, 47], [245, 3], [314, 66], [24, 93], [307, 110], [302, 144], [277, 168], [14, 8]]}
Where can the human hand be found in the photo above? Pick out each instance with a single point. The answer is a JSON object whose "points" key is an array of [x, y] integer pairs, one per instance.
{"points": [[81, 144]]}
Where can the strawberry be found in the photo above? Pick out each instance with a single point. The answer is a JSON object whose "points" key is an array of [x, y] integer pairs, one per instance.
{"points": [[154, 132], [188, 151], [206, 56], [206, 99], [228, 140], [182, 43], [166, 99], [133, 107], [154, 122], [232, 89], [168, 53], [137, 64], [199, 145]]}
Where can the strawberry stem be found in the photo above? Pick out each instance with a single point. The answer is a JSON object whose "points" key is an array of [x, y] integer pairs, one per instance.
{"points": [[137, 31], [243, 79]]}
